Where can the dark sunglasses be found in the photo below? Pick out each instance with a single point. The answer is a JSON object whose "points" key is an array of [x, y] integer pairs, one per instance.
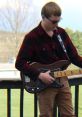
{"points": [[53, 22]]}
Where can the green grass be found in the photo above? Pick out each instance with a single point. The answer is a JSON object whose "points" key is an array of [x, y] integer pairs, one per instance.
{"points": [[28, 103], [15, 103]]}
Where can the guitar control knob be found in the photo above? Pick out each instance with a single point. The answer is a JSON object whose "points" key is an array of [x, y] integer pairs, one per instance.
{"points": [[32, 89], [38, 88]]}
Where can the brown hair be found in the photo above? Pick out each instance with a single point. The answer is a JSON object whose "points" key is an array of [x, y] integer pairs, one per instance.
{"points": [[49, 9]]}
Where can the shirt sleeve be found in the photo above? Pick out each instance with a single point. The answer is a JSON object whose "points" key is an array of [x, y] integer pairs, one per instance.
{"points": [[25, 55], [75, 58]]}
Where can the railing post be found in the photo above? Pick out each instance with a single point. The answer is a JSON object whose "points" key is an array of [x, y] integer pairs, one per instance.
{"points": [[35, 105], [21, 101], [76, 99], [8, 102]]}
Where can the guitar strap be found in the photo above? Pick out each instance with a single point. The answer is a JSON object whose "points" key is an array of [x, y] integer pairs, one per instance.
{"points": [[62, 44]]}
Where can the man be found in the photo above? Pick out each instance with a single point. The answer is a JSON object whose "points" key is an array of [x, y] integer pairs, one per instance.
{"points": [[42, 45]]}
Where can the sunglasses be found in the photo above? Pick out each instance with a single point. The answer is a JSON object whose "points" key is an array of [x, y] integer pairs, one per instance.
{"points": [[53, 22]]}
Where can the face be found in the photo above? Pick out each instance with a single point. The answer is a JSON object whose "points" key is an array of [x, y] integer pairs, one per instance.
{"points": [[52, 21]]}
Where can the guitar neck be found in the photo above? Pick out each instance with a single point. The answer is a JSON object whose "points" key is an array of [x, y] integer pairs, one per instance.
{"points": [[67, 73]]}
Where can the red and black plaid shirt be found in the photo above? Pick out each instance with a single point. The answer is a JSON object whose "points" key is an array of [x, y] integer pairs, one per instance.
{"points": [[38, 46]]}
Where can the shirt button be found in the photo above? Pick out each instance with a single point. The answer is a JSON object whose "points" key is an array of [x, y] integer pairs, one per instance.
{"points": [[44, 49], [53, 47]]}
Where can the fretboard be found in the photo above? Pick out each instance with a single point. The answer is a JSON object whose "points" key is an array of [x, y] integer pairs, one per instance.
{"points": [[67, 73]]}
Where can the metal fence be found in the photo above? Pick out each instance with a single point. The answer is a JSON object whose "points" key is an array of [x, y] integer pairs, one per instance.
{"points": [[17, 84]]}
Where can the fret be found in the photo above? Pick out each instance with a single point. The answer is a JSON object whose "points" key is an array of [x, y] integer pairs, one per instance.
{"points": [[75, 72], [63, 73], [80, 71], [57, 74], [71, 72], [67, 72]]}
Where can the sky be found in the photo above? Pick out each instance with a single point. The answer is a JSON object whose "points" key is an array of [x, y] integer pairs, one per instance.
{"points": [[71, 11]]}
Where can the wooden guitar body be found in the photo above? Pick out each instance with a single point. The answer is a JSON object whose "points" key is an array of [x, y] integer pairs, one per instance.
{"points": [[37, 86]]}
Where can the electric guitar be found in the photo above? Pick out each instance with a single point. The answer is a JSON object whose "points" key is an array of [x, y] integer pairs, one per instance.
{"points": [[57, 70]]}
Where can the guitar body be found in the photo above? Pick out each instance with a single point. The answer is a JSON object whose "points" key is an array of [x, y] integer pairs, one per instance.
{"points": [[38, 86]]}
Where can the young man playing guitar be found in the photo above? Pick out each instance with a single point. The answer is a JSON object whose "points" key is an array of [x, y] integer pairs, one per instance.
{"points": [[43, 45]]}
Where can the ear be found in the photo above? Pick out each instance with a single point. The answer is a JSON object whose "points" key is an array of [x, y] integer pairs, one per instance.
{"points": [[42, 16]]}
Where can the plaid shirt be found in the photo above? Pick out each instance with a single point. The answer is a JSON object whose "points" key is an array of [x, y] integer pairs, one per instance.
{"points": [[38, 46]]}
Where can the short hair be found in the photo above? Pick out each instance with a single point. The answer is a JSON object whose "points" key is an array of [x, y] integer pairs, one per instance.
{"points": [[49, 9]]}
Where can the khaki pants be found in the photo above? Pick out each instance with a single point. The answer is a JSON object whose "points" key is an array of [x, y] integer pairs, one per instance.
{"points": [[62, 97]]}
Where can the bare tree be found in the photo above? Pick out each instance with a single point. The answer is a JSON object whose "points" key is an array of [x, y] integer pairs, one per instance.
{"points": [[16, 17], [13, 18]]}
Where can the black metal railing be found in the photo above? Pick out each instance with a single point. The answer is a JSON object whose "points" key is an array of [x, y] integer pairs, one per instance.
{"points": [[17, 84]]}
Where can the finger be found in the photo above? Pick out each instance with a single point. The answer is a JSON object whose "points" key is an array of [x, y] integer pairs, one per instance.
{"points": [[48, 71], [52, 79]]}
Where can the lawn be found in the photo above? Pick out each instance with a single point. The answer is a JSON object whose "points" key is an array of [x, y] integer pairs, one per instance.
{"points": [[15, 103], [28, 103]]}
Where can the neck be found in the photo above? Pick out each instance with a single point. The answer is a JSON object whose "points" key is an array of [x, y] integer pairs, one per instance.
{"points": [[45, 26], [47, 29]]}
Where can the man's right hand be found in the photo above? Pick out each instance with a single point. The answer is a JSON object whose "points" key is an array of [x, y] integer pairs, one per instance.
{"points": [[46, 77]]}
